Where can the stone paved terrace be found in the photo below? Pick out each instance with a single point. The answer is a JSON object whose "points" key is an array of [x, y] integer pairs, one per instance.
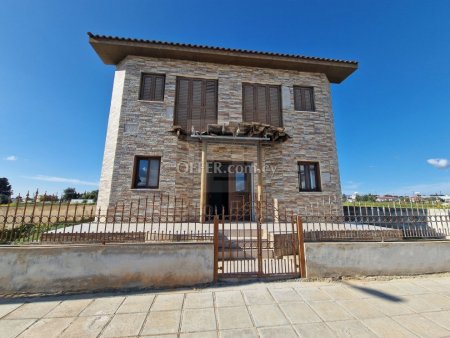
{"points": [[407, 307]]}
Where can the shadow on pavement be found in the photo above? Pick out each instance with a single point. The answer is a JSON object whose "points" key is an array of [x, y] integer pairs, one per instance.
{"points": [[376, 293]]}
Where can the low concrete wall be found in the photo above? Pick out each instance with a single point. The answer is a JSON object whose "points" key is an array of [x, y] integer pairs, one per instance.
{"points": [[48, 269], [376, 258]]}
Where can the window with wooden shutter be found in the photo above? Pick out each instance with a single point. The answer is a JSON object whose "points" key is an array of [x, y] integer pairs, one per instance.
{"points": [[304, 98], [261, 103], [195, 103], [152, 87]]}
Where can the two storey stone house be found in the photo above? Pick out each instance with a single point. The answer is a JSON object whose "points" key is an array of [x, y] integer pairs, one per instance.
{"points": [[218, 126]]}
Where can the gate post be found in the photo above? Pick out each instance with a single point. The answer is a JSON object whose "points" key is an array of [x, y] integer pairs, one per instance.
{"points": [[259, 236], [301, 247], [216, 248]]}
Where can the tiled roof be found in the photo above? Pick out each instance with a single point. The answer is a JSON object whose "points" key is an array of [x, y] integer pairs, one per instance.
{"points": [[107, 37]]}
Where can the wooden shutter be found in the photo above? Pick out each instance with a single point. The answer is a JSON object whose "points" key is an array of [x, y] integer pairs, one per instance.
{"points": [[304, 98], [152, 87], [182, 103], [159, 88], [261, 103], [196, 104], [210, 115], [248, 103], [275, 106]]}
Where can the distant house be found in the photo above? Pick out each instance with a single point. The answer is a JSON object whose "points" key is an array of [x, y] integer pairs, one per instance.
{"points": [[387, 198], [180, 111]]}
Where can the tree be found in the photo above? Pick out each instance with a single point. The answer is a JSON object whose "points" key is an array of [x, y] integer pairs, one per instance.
{"points": [[5, 190], [70, 194], [90, 195], [366, 198]]}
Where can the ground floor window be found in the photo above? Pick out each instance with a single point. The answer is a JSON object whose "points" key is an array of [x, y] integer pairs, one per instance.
{"points": [[309, 176], [146, 172]]}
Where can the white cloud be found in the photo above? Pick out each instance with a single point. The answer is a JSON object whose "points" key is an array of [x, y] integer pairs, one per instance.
{"points": [[11, 158], [440, 163], [61, 180]]}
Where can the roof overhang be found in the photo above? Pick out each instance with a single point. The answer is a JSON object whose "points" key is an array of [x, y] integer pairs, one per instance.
{"points": [[112, 50]]}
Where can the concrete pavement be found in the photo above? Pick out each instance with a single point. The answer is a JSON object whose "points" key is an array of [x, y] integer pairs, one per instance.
{"points": [[410, 307]]}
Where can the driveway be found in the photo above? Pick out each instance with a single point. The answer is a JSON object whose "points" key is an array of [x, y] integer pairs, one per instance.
{"points": [[407, 307]]}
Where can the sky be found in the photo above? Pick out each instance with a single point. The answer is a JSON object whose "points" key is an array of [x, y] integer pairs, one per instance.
{"points": [[392, 116]]}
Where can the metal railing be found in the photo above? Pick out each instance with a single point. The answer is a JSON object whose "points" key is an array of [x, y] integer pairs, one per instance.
{"points": [[163, 217]]}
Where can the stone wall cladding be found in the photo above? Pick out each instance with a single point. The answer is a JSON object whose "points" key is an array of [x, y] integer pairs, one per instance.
{"points": [[143, 130]]}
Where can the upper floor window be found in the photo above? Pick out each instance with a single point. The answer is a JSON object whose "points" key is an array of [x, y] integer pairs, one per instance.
{"points": [[304, 98], [195, 103], [261, 103], [152, 87], [309, 176], [146, 172]]}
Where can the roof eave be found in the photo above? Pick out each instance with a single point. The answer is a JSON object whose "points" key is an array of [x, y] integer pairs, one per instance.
{"points": [[112, 51]]}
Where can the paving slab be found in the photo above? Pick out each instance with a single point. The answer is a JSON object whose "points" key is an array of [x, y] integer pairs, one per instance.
{"points": [[421, 303], [267, 315], [422, 326], [277, 332], [35, 309], [339, 292], [285, 295], [315, 330], [351, 328], [441, 318], [8, 307], [103, 306], [229, 298], [205, 334], [198, 300], [361, 308], [299, 312], [86, 326], [136, 304], [13, 327], [313, 294], [69, 308], [387, 327], [390, 307], [124, 325], [239, 333], [258, 297], [47, 327], [233, 318], [168, 302], [162, 322], [330, 311], [197, 320]]}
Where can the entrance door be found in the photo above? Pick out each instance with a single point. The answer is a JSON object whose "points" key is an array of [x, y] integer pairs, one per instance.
{"points": [[229, 188]]}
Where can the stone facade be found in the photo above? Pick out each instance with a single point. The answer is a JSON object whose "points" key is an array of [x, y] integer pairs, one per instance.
{"points": [[142, 128]]}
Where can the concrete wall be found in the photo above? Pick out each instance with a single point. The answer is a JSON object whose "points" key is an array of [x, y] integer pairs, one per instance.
{"points": [[376, 259], [36, 269]]}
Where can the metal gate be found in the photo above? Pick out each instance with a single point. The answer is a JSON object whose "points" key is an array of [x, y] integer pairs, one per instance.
{"points": [[258, 240]]}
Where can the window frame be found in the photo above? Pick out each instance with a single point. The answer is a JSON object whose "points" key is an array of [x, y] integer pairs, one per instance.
{"points": [[308, 176], [313, 98], [267, 87], [138, 158], [203, 99], [141, 87]]}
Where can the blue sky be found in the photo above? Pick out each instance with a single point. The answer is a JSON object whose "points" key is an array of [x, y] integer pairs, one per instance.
{"points": [[391, 116]]}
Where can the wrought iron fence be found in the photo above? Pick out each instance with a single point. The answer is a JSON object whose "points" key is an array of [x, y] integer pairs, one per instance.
{"points": [[163, 217]]}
